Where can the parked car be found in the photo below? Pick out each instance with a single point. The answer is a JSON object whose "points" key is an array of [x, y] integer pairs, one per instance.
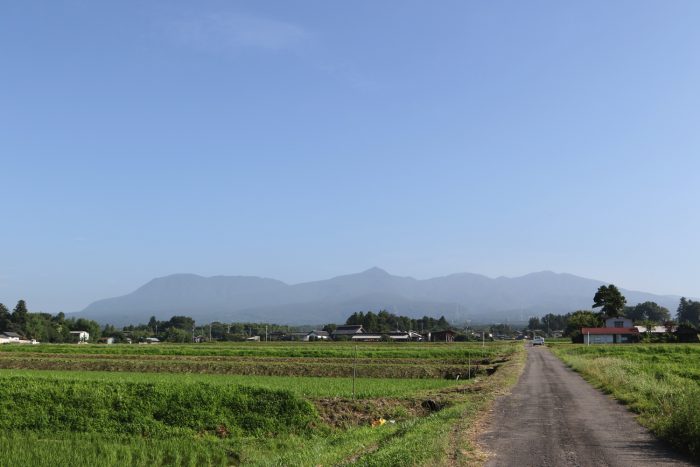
{"points": [[538, 341]]}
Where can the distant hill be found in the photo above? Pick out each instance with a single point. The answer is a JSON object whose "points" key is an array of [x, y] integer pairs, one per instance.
{"points": [[459, 297]]}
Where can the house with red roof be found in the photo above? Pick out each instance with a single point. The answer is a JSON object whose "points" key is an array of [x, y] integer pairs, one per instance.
{"points": [[617, 330]]}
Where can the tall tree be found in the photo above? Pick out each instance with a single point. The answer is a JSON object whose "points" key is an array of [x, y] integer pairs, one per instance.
{"points": [[688, 312], [610, 300], [534, 323], [5, 318], [581, 319], [647, 311], [19, 315]]}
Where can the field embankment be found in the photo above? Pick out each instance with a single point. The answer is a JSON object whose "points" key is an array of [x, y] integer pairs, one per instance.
{"points": [[660, 382]]}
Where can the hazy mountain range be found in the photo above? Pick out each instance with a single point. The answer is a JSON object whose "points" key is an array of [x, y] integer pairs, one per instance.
{"points": [[459, 297]]}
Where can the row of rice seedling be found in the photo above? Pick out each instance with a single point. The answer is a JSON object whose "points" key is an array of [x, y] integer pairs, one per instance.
{"points": [[306, 368], [303, 386], [660, 382], [152, 409], [467, 357], [286, 349], [93, 449]]}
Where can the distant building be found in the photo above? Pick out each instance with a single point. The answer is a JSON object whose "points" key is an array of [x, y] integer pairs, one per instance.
{"points": [[617, 330], [348, 330], [404, 336], [656, 329], [447, 335], [10, 338], [83, 336], [317, 336], [364, 337]]}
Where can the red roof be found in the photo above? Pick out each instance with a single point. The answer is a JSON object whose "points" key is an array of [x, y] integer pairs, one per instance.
{"points": [[611, 331]]}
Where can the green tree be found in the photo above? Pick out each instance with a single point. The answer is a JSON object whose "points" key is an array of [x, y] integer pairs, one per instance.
{"points": [[5, 318], [153, 324], [174, 334], [609, 300], [19, 316], [581, 319], [181, 322], [655, 312], [534, 323], [688, 312]]}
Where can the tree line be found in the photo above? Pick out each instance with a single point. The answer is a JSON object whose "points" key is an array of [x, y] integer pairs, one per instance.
{"points": [[384, 322], [44, 327], [612, 303]]}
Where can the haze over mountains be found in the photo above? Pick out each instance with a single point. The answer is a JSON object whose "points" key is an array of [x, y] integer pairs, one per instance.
{"points": [[459, 297]]}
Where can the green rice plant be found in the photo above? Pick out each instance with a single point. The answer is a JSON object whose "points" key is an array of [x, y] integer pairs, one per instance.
{"points": [[347, 350], [149, 409], [310, 387]]}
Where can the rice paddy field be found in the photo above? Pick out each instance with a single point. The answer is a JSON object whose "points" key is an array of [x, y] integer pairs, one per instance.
{"points": [[248, 403], [660, 382]]}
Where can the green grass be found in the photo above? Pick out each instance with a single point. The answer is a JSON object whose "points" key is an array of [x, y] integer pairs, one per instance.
{"points": [[346, 350], [376, 360], [661, 382], [303, 386], [91, 449], [162, 417], [149, 409]]}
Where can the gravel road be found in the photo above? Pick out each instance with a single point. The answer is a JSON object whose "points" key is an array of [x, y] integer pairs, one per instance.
{"points": [[555, 418]]}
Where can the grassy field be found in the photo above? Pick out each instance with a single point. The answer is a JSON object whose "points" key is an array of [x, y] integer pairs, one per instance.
{"points": [[660, 382], [302, 386], [224, 405], [322, 359]]}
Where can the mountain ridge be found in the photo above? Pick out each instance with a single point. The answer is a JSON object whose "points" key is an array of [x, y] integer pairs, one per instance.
{"points": [[459, 297]]}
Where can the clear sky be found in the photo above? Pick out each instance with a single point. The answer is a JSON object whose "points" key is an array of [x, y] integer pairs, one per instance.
{"points": [[305, 139]]}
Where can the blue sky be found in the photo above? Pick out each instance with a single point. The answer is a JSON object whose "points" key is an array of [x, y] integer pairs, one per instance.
{"points": [[301, 140]]}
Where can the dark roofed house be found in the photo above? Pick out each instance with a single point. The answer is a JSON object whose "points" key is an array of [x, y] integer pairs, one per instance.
{"points": [[9, 337], [348, 330], [318, 335]]}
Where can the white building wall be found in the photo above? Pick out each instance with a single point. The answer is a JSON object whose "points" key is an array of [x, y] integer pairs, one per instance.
{"points": [[598, 339]]}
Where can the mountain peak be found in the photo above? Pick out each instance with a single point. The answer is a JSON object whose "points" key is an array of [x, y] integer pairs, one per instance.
{"points": [[375, 271]]}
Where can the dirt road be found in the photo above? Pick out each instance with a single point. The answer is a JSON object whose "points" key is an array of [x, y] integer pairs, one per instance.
{"points": [[554, 418]]}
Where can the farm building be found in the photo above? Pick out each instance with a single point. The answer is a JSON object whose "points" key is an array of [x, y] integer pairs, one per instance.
{"points": [[9, 338], [447, 335], [656, 329], [366, 337], [405, 336], [82, 336], [317, 336], [348, 330], [617, 330]]}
